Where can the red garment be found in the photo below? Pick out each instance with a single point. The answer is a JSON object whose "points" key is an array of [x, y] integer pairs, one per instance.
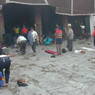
{"points": [[58, 33], [24, 30], [93, 33], [51, 52], [0, 78]]}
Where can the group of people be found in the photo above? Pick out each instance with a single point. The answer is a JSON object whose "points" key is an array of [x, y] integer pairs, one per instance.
{"points": [[17, 31], [5, 61], [31, 37], [59, 38]]}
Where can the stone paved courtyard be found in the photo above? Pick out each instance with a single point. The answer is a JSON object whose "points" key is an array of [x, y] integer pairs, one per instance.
{"points": [[69, 74]]}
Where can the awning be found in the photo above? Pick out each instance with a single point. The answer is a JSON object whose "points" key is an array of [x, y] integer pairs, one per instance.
{"points": [[73, 7], [29, 2], [62, 6], [83, 6]]}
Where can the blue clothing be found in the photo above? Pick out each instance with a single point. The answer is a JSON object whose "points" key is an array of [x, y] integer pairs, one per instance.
{"points": [[5, 63], [48, 41], [31, 41], [1, 81], [30, 38], [58, 41]]}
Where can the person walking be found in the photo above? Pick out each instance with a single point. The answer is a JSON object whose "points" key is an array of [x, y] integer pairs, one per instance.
{"points": [[70, 37], [58, 39], [33, 39]]}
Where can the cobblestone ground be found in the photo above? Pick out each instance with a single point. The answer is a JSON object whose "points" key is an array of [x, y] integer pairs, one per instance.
{"points": [[69, 74]]}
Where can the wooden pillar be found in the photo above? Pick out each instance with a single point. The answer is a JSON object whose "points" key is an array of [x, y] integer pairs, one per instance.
{"points": [[65, 20], [38, 23], [1, 26]]}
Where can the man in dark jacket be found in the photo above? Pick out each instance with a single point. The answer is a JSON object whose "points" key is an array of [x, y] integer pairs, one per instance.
{"points": [[5, 63]]}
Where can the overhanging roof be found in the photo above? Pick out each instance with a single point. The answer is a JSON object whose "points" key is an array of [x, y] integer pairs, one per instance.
{"points": [[2, 1], [83, 6], [63, 7], [73, 7], [29, 2]]}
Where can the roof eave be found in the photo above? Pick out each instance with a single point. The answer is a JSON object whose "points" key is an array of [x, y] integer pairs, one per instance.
{"points": [[69, 14], [26, 3]]}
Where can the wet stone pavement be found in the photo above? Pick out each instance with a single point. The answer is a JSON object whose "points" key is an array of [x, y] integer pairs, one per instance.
{"points": [[69, 74]]}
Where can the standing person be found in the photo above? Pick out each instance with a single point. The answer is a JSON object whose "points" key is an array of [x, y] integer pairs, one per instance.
{"points": [[24, 31], [21, 42], [93, 34], [33, 39], [5, 63], [84, 32], [58, 39], [16, 32], [70, 37]]}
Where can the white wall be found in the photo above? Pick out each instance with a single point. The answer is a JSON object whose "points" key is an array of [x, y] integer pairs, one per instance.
{"points": [[92, 22]]}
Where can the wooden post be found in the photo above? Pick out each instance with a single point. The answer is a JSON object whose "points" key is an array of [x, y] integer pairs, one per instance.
{"points": [[38, 22], [1, 26]]}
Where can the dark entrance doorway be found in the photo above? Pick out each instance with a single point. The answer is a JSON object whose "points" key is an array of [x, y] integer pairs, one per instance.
{"points": [[17, 15], [48, 20], [76, 22]]}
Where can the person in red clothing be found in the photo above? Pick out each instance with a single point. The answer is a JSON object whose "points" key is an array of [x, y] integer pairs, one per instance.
{"points": [[93, 34], [24, 31], [58, 39]]}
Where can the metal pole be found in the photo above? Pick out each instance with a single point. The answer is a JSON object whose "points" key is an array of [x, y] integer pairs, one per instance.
{"points": [[94, 6], [72, 6]]}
